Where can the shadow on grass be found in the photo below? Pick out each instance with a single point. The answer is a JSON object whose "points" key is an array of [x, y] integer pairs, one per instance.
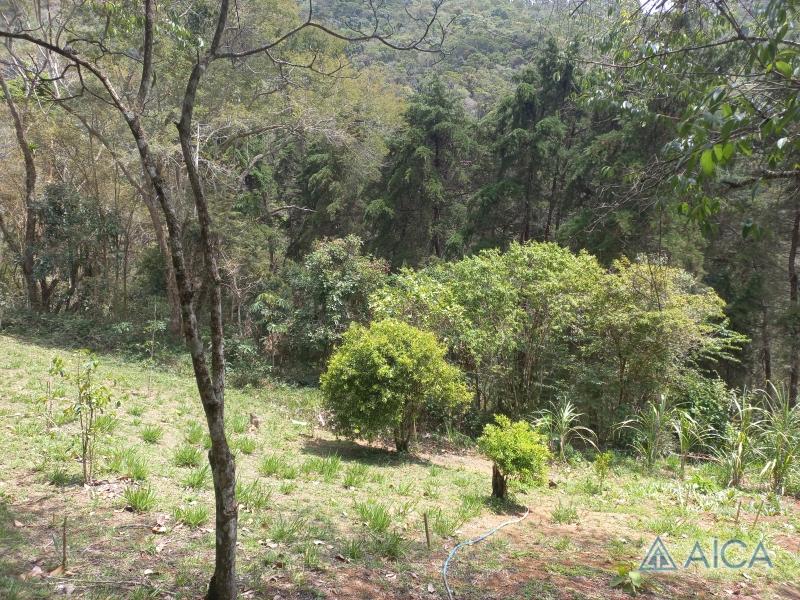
{"points": [[504, 506], [17, 536], [355, 452]]}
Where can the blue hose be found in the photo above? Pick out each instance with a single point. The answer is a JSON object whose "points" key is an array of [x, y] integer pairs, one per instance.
{"points": [[476, 540]]}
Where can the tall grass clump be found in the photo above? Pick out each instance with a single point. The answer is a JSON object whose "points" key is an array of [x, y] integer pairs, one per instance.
{"points": [[779, 436], [738, 446]]}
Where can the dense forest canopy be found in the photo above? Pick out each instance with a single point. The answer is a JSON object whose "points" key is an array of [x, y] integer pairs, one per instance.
{"points": [[531, 121], [511, 122], [590, 203]]}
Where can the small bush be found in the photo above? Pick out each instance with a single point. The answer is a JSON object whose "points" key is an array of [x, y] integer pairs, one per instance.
{"points": [[518, 452], [194, 433], [444, 525], [152, 434], [197, 479], [353, 549], [382, 378], [602, 466], [140, 498], [374, 515], [136, 468], [327, 468], [564, 514], [278, 467], [59, 477], [187, 456], [286, 530], [191, 516], [253, 495], [106, 424], [311, 559], [238, 423], [355, 475], [389, 544], [246, 445]]}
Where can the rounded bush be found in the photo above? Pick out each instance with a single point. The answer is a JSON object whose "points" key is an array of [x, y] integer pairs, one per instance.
{"points": [[518, 452], [382, 378]]}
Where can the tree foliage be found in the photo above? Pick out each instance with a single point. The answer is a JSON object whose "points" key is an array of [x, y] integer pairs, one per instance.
{"points": [[383, 379]]}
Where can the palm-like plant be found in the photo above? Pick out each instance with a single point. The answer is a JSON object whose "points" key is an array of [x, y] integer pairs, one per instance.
{"points": [[562, 424], [690, 433], [652, 431], [738, 446], [779, 436]]}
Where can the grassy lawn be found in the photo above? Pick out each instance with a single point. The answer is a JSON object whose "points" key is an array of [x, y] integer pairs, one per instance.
{"points": [[325, 518]]}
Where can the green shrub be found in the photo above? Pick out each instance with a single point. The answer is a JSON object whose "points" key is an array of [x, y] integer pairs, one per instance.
{"points": [[187, 456], [253, 495], [278, 467], [376, 516], [192, 516], [140, 499], [286, 530], [152, 434], [194, 433], [779, 436], [197, 478], [355, 475], [706, 400], [602, 466], [518, 452], [383, 378], [246, 445], [327, 468], [564, 514]]}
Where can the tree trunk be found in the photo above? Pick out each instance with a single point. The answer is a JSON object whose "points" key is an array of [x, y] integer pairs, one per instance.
{"points": [[26, 252], [499, 483], [794, 356], [766, 352]]}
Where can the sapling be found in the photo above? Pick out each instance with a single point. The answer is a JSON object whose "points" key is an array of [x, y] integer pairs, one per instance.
{"points": [[518, 452], [91, 400]]}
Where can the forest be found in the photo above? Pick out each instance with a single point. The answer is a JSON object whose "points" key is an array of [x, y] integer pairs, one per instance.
{"points": [[300, 299]]}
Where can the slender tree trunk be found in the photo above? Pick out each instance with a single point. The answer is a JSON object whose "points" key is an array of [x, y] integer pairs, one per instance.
{"points": [[26, 251], [525, 233], [794, 358], [766, 351], [499, 483]]}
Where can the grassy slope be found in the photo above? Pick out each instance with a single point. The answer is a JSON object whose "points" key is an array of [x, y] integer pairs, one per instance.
{"points": [[304, 533]]}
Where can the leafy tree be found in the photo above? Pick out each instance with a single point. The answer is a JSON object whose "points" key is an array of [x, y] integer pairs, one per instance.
{"points": [[422, 208], [307, 316], [538, 321], [382, 379], [517, 451], [534, 130]]}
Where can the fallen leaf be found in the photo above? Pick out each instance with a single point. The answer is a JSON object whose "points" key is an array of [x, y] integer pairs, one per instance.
{"points": [[59, 570], [431, 589], [18, 524], [148, 572], [341, 558]]}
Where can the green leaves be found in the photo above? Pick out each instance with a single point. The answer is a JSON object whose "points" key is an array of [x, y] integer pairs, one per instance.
{"points": [[382, 378], [518, 450], [707, 162]]}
